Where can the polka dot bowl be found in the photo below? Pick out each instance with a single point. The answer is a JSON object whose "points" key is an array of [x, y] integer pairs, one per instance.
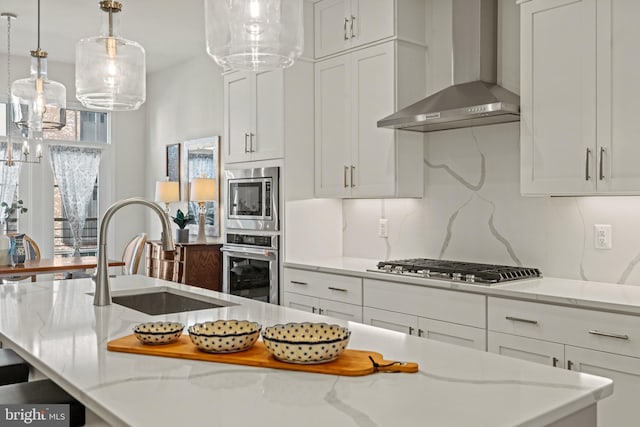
{"points": [[224, 336], [306, 343], [156, 333]]}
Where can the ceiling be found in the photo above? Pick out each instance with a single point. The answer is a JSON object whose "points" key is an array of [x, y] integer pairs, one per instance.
{"points": [[169, 31]]}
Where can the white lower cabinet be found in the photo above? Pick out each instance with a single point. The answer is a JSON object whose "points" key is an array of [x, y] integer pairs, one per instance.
{"points": [[323, 306], [595, 342], [621, 409], [391, 320], [543, 352]]}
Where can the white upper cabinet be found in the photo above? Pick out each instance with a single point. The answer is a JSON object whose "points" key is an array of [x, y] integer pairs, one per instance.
{"points": [[355, 158], [579, 121], [254, 108], [343, 24]]}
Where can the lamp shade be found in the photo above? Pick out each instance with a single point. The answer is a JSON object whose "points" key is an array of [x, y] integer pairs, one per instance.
{"points": [[203, 190], [254, 35], [167, 191]]}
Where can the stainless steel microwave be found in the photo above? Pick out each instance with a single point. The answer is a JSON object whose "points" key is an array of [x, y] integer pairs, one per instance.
{"points": [[252, 199]]}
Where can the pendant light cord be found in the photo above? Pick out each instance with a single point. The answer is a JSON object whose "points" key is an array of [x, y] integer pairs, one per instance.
{"points": [[38, 24]]}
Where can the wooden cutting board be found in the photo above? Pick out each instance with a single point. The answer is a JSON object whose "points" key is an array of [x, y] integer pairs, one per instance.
{"points": [[349, 363]]}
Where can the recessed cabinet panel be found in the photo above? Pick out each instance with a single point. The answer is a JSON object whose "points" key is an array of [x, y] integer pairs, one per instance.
{"points": [[333, 124], [331, 26], [373, 149], [237, 116], [373, 20], [451, 333], [620, 409], [398, 322], [538, 351], [558, 79], [269, 104]]}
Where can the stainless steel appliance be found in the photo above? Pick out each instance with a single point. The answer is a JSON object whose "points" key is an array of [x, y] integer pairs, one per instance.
{"points": [[474, 99], [250, 265], [469, 272], [252, 199]]}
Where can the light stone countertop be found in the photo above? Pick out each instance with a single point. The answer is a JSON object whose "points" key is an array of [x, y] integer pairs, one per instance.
{"points": [[56, 328], [576, 293]]}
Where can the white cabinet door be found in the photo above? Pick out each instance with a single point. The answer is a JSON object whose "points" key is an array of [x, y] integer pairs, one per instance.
{"points": [[543, 352], [300, 302], [237, 116], [558, 97], [373, 154], [620, 409], [452, 333], [267, 118], [340, 310], [390, 320], [331, 26], [370, 21], [333, 126], [618, 94]]}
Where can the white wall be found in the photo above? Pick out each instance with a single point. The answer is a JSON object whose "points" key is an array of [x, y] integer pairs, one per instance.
{"points": [[472, 209], [183, 102]]}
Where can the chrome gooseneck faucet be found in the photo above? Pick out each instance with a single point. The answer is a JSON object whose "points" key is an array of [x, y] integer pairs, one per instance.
{"points": [[101, 279]]}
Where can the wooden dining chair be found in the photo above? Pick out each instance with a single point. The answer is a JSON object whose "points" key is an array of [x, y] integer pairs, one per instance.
{"points": [[132, 253]]}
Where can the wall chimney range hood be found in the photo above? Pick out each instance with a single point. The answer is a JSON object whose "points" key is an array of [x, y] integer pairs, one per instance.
{"points": [[474, 99]]}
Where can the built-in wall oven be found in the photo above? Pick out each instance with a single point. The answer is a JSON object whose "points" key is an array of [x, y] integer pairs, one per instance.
{"points": [[250, 265], [252, 199]]}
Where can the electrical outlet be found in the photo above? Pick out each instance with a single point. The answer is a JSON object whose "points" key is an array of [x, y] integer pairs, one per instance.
{"points": [[602, 236], [383, 227]]}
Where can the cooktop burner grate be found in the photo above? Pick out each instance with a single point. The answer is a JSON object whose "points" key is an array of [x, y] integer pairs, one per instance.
{"points": [[458, 270]]}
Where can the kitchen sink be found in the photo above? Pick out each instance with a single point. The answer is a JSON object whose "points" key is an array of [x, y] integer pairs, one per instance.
{"points": [[165, 300]]}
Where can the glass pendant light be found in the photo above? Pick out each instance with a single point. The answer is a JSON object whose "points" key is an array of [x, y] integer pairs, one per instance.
{"points": [[39, 103], [110, 70], [255, 35]]}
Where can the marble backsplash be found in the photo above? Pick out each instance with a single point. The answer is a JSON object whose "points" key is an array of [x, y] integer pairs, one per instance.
{"points": [[472, 210]]}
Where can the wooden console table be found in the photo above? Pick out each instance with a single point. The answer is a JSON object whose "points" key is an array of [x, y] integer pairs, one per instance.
{"points": [[195, 264]]}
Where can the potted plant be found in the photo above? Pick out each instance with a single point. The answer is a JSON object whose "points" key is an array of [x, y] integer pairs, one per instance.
{"points": [[6, 212], [182, 220]]}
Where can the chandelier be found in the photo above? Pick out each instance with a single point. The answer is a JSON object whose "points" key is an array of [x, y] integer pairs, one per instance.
{"points": [[10, 158], [110, 70], [39, 103], [254, 35]]}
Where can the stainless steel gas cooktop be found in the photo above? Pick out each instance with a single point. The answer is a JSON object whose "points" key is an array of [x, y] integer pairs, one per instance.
{"points": [[457, 271]]}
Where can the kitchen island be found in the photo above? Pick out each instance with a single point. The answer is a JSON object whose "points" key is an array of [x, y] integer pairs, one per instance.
{"points": [[56, 328]]}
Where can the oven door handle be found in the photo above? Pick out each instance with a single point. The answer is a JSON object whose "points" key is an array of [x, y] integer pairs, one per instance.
{"points": [[270, 253]]}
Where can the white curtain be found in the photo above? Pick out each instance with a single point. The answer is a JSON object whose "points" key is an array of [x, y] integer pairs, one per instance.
{"points": [[8, 175], [75, 170]]}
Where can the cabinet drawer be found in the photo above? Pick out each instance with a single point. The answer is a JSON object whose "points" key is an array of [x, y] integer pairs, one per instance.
{"points": [[323, 285], [449, 306], [610, 332]]}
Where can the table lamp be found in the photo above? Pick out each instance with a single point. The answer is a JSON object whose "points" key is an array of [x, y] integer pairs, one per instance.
{"points": [[167, 192], [203, 190]]}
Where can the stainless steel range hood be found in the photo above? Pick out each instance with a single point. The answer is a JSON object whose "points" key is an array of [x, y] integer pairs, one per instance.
{"points": [[474, 99]]}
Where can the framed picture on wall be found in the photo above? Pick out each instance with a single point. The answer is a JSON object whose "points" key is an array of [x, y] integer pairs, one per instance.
{"points": [[173, 163]]}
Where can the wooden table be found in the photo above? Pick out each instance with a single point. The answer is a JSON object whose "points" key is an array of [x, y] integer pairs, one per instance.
{"points": [[53, 265]]}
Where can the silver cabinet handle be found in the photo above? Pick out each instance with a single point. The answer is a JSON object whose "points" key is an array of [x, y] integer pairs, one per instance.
{"points": [[251, 150], [320, 311], [313, 309], [519, 319], [346, 21], [569, 364], [411, 330], [420, 333], [601, 174], [353, 172], [246, 136], [610, 335], [555, 362], [346, 170], [298, 283], [337, 289], [587, 177], [353, 33]]}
